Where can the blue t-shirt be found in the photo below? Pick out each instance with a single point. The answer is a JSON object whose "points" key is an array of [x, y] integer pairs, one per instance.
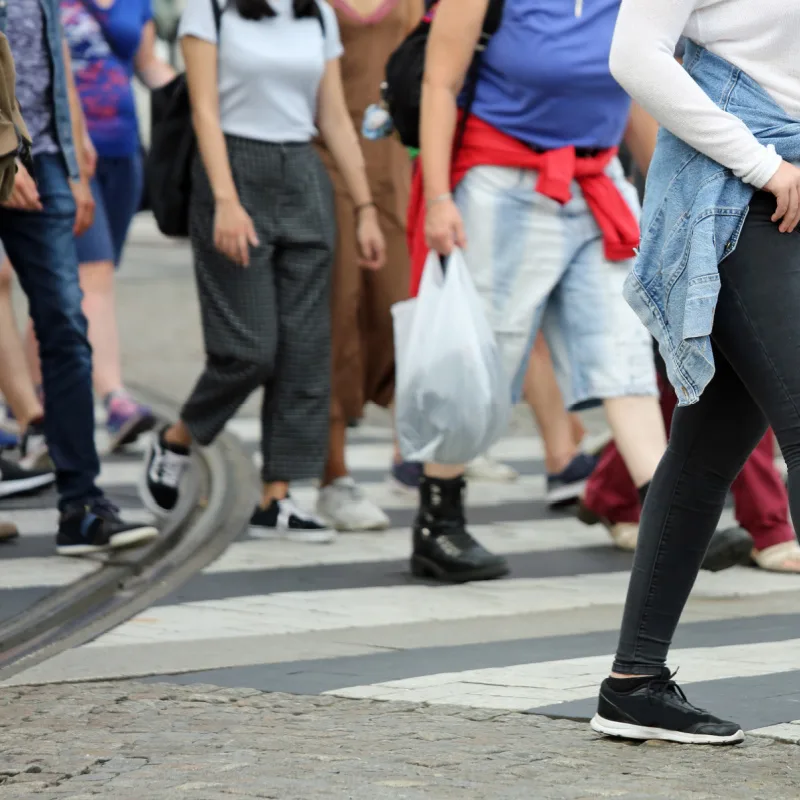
{"points": [[103, 43], [544, 77]]}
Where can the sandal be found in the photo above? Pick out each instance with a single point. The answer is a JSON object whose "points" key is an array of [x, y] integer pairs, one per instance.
{"points": [[779, 557]]}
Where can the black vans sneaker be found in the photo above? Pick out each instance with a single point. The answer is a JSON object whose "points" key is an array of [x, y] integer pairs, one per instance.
{"points": [[17, 480], [164, 467], [282, 519], [97, 527], [656, 708], [443, 548]]}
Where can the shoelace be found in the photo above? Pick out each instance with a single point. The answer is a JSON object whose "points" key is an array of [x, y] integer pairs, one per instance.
{"points": [[665, 686], [102, 507], [168, 469]]}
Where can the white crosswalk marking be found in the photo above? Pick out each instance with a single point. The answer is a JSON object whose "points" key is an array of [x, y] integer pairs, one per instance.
{"points": [[347, 618]]}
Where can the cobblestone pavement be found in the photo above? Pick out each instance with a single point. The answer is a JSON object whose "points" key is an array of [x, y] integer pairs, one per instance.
{"points": [[132, 741]]}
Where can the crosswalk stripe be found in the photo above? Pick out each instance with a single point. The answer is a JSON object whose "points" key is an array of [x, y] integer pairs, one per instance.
{"points": [[339, 609], [529, 686], [25, 572], [509, 538]]}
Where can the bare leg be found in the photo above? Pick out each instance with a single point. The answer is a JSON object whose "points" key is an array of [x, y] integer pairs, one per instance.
{"points": [[557, 427], [97, 283], [15, 379], [638, 428], [335, 465]]}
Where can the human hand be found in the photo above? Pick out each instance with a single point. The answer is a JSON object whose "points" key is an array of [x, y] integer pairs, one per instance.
{"points": [[25, 195], [234, 232], [371, 243], [444, 228], [89, 155], [785, 185], [84, 206]]}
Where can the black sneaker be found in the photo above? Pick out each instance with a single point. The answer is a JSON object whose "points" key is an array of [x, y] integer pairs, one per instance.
{"points": [[282, 519], [728, 548], [657, 708], [97, 527], [443, 548], [164, 467], [15, 480]]}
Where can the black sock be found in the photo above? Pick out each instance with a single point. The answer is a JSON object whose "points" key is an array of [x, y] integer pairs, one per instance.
{"points": [[178, 449], [643, 492], [629, 684]]}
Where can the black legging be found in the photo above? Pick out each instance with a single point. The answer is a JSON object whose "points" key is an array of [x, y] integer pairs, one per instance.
{"points": [[756, 341]]}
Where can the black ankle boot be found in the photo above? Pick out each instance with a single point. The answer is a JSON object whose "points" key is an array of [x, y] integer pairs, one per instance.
{"points": [[443, 548]]}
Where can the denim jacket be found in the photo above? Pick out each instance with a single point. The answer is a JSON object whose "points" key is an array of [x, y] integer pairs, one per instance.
{"points": [[61, 112], [694, 210]]}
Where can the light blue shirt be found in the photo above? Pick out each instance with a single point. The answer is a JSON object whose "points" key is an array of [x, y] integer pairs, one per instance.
{"points": [[694, 210]]}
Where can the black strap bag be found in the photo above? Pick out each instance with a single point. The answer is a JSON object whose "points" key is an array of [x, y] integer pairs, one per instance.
{"points": [[406, 68], [168, 166]]}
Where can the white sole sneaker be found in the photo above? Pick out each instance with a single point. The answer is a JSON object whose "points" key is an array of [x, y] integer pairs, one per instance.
{"points": [[625, 730], [566, 493], [121, 541], [323, 536], [17, 486]]}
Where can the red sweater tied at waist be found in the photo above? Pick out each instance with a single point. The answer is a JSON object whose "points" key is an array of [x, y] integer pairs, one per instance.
{"points": [[484, 145]]}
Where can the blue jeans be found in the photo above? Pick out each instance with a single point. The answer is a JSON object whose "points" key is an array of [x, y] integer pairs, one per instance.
{"points": [[41, 247]]}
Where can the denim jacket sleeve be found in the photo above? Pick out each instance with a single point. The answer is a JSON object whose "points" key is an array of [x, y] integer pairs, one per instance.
{"points": [[61, 111]]}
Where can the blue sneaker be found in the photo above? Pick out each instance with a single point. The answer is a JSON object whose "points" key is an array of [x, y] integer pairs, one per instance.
{"points": [[405, 477], [568, 486], [127, 420], [97, 527], [8, 440]]}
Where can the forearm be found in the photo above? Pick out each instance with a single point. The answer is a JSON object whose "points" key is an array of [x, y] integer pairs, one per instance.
{"points": [[439, 115], [77, 119], [156, 74], [643, 63], [342, 142], [214, 153]]}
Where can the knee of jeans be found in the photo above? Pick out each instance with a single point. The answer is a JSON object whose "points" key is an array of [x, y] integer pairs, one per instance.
{"points": [[59, 320]]}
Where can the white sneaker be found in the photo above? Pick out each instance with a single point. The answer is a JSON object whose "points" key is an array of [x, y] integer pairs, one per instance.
{"points": [[344, 505], [484, 468], [282, 519]]}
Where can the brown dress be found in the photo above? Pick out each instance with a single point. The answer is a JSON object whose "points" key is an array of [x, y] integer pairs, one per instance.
{"points": [[363, 345]]}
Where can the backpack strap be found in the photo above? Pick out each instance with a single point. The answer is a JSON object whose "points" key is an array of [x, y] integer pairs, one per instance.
{"points": [[494, 16], [217, 11]]}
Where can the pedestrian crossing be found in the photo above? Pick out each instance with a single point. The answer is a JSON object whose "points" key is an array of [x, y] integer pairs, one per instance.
{"points": [[29, 567], [347, 619]]}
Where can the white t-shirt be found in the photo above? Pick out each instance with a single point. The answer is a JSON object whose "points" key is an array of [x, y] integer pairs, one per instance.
{"points": [[269, 70], [759, 37]]}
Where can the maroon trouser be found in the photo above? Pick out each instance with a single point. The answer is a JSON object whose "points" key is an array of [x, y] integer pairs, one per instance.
{"points": [[761, 503]]}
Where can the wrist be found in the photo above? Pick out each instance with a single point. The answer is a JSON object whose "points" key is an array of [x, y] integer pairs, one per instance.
{"points": [[225, 199], [366, 209], [438, 199]]}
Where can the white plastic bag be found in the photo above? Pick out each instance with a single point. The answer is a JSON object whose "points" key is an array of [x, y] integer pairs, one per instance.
{"points": [[452, 400]]}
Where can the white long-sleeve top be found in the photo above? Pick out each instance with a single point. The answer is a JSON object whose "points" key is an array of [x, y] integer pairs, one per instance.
{"points": [[760, 37]]}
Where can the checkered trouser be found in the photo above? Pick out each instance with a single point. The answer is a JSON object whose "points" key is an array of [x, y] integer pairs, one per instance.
{"points": [[268, 325]]}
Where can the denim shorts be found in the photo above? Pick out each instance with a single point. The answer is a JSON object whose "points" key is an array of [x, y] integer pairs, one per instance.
{"points": [[540, 265], [117, 191]]}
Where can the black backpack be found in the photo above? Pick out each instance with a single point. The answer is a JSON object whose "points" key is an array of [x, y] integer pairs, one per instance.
{"points": [[406, 67], [168, 166]]}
